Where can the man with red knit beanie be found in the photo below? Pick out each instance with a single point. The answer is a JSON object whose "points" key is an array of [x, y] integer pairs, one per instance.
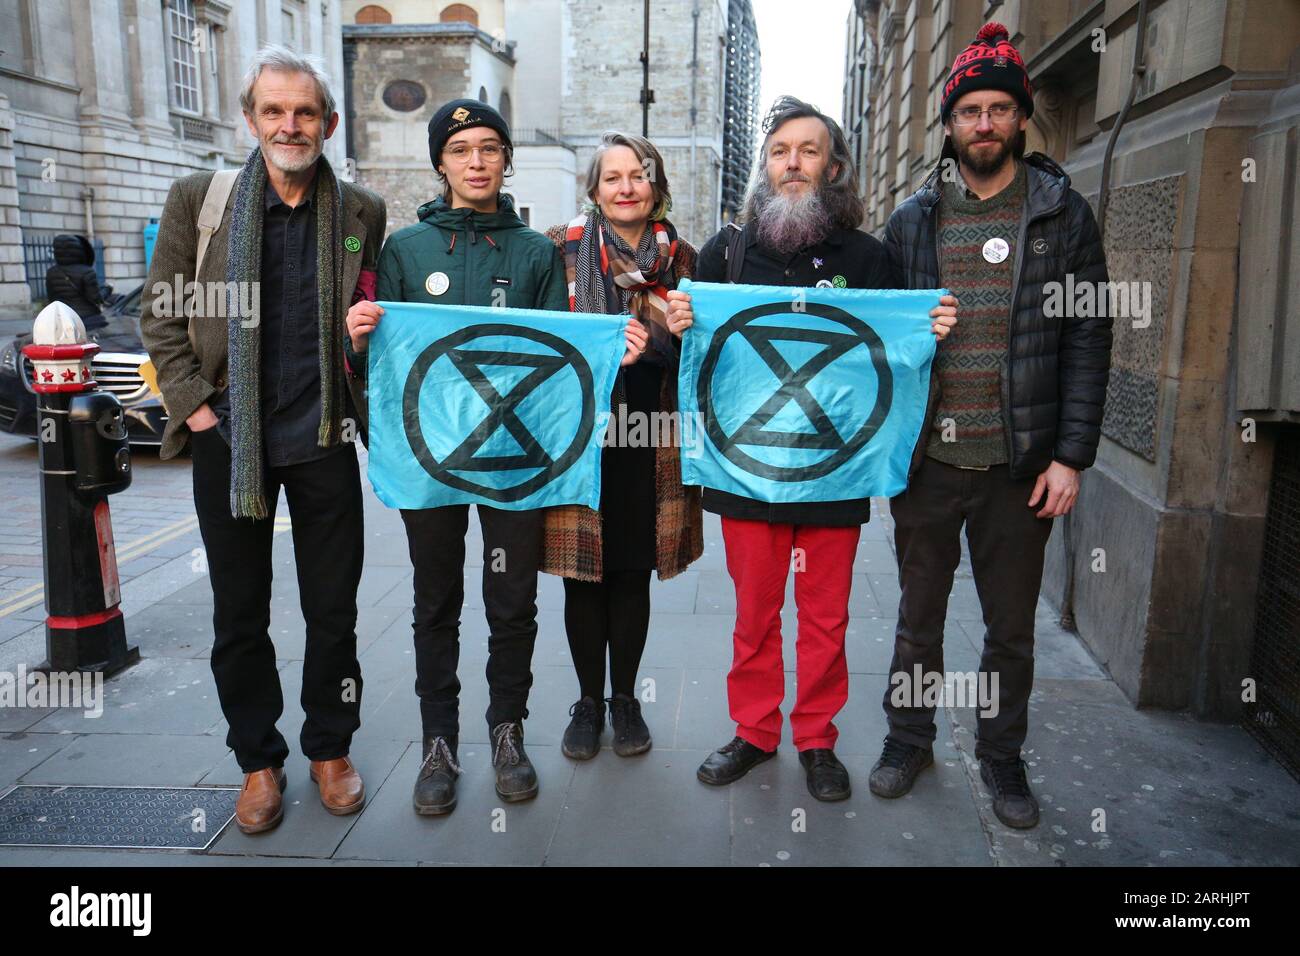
{"points": [[1017, 393]]}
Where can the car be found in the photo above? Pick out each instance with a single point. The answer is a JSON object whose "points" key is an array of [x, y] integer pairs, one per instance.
{"points": [[117, 367]]}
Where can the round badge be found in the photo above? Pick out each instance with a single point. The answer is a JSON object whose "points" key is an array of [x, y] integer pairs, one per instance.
{"points": [[840, 282], [1040, 247], [437, 283], [352, 244], [823, 283], [996, 249]]}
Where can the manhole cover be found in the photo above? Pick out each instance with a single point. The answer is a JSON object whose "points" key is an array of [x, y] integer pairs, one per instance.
{"points": [[180, 818]]}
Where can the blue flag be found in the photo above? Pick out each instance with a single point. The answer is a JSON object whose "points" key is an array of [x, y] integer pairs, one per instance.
{"points": [[796, 395], [502, 407]]}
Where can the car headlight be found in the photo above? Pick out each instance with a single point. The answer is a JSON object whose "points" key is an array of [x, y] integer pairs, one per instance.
{"points": [[9, 359]]}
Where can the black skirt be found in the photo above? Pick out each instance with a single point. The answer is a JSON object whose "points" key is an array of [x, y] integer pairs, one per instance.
{"points": [[627, 476]]}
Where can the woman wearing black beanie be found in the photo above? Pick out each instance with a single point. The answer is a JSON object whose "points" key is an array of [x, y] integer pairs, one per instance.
{"points": [[469, 247]]}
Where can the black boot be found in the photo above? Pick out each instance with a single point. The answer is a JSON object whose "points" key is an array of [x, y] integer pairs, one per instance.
{"points": [[435, 788], [729, 763], [896, 770], [516, 778], [631, 735], [582, 736], [828, 779], [1013, 801]]}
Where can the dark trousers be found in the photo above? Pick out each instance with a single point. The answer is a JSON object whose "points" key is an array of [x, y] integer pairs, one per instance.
{"points": [[512, 549], [1006, 544], [324, 499], [610, 616]]}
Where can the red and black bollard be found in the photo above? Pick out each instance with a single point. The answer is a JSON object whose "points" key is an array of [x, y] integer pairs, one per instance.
{"points": [[84, 457]]}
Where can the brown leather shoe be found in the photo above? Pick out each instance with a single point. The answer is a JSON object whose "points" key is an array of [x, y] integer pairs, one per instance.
{"points": [[260, 807], [341, 789]]}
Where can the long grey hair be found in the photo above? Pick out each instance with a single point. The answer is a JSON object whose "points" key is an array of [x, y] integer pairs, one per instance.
{"points": [[838, 192]]}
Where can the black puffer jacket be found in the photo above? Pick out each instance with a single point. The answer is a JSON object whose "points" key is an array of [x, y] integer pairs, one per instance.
{"points": [[72, 280], [1055, 389]]}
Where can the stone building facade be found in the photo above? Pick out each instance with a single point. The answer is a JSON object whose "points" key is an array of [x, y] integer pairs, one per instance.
{"points": [[688, 55], [859, 50], [104, 104], [1182, 553], [396, 76], [563, 72]]}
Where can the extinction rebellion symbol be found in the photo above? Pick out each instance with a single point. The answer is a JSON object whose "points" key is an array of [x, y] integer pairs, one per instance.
{"points": [[544, 373], [795, 385]]}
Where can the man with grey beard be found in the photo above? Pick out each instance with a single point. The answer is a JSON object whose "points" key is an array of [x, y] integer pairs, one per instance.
{"points": [[800, 229], [265, 397]]}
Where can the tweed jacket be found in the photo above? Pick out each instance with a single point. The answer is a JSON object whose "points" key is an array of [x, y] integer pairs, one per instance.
{"points": [[191, 373]]}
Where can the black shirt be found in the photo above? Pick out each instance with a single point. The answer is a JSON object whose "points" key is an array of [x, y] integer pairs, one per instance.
{"points": [[860, 261], [291, 387]]}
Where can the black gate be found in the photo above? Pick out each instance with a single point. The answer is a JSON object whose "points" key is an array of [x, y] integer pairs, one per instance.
{"points": [[1274, 717]]}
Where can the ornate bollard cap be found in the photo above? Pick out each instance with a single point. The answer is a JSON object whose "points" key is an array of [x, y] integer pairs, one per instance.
{"points": [[59, 351]]}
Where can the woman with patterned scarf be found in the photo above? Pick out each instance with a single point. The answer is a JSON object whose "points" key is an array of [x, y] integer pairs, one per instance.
{"points": [[622, 256]]}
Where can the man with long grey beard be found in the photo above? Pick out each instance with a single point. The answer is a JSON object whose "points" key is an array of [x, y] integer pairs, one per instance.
{"points": [[800, 229]]}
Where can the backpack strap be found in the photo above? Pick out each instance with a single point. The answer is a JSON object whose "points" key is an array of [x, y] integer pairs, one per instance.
{"points": [[213, 211], [210, 216], [735, 251]]}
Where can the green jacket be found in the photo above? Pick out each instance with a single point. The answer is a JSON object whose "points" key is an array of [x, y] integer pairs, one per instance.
{"points": [[479, 254]]}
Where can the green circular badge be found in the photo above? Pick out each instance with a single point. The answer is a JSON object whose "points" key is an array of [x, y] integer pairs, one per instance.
{"points": [[352, 244], [840, 282]]}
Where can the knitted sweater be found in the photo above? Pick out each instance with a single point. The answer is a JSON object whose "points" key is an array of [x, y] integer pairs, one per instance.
{"points": [[968, 427]]}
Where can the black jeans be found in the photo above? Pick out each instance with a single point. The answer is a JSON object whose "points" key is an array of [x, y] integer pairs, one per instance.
{"points": [[512, 549], [611, 615], [325, 503], [1006, 544]]}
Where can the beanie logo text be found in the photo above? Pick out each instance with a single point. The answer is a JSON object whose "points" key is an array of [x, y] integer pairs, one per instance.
{"points": [[991, 62]]}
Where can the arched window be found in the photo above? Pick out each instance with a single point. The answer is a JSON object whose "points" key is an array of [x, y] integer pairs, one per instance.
{"points": [[482, 95], [454, 12], [504, 109], [373, 13]]}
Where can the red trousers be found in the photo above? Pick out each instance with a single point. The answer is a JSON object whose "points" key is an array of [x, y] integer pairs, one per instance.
{"points": [[760, 556]]}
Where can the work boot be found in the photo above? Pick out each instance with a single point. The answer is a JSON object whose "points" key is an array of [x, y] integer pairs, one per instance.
{"points": [[896, 770], [631, 735], [435, 788], [1013, 802], [341, 789], [260, 806], [516, 778], [582, 736], [828, 779], [732, 761]]}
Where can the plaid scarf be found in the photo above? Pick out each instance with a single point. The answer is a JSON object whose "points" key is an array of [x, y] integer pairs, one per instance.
{"points": [[607, 277], [247, 468]]}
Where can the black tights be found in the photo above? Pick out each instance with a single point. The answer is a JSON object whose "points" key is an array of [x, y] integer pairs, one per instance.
{"points": [[616, 614]]}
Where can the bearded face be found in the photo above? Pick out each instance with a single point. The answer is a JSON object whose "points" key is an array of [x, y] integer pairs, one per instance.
{"points": [[986, 151], [288, 120], [292, 153], [804, 187], [788, 220], [985, 145]]}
